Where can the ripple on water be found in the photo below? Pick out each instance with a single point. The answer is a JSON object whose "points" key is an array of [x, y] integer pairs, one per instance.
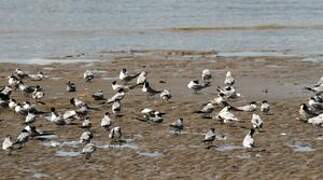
{"points": [[227, 147], [67, 153], [119, 146], [301, 147], [40, 175], [150, 154], [52, 143]]}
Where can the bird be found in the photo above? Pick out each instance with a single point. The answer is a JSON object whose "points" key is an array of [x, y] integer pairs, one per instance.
{"points": [[228, 92], [70, 86], [256, 121], [20, 73], [196, 86], [251, 107], [229, 80], [86, 137], [98, 95], [88, 75], [118, 96], [27, 90], [125, 77], [34, 132], [13, 80], [106, 121], [209, 137], [206, 75], [316, 120], [142, 78], [319, 82], [306, 113], [12, 104], [27, 106], [117, 87], [220, 100], [55, 117], [36, 77], [7, 144], [5, 92], [316, 103], [248, 141], [178, 125], [88, 149], [316, 89], [146, 88], [265, 107], [165, 95], [116, 107], [22, 138], [225, 115], [151, 116], [71, 115], [20, 110], [76, 102], [38, 93], [207, 109], [115, 133], [86, 123], [31, 117]]}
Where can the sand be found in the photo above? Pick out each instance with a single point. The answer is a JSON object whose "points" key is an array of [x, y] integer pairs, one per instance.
{"points": [[287, 149]]}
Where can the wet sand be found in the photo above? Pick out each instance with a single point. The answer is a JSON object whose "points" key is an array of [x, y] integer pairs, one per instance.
{"points": [[287, 149]]}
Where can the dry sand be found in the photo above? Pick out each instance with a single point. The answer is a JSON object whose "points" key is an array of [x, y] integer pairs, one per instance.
{"points": [[155, 152]]}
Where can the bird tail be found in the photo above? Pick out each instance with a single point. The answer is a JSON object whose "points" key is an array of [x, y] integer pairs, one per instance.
{"points": [[310, 89], [140, 119], [207, 84], [135, 85]]}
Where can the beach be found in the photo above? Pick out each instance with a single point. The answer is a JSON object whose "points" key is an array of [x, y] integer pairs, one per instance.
{"points": [[286, 149]]}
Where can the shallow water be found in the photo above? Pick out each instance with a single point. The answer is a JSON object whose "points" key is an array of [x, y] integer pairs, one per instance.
{"points": [[227, 147], [301, 147], [34, 29], [150, 154], [116, 146], [67, 153], [40, 175]]}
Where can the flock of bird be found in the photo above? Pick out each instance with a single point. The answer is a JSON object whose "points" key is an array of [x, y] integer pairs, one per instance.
{"points": [[312, 111], [81, 110]]}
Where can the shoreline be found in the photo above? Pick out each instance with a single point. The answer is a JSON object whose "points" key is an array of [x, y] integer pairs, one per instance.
{"points": [[159, 53]]}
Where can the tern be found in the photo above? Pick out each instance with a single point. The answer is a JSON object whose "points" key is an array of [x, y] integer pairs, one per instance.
{"points": [[88, 75], [70, 86], [206, 75], [165, 95], [125, 77], [265, 107], [178, 125], [106, 121], [248, 141], [146, 88], [229, 80], [196, 86], [256, 121], [88, 149]]}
